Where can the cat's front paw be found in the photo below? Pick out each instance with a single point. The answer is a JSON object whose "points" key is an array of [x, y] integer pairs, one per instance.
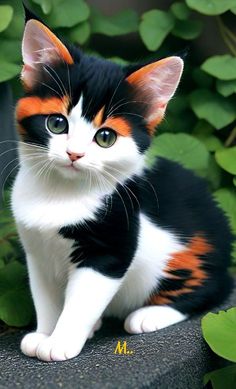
{"points": [[57, 349], [30, 342]]}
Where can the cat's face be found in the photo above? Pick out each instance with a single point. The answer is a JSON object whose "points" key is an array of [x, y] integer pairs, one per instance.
{"points": [[84, 118]]}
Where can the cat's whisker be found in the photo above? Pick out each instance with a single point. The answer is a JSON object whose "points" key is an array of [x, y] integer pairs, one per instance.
{"points": [[69, 82], [124, 187], [115, 108], [61, 86], [7, 151], [114, 93], [129, 113], [54, 90]]}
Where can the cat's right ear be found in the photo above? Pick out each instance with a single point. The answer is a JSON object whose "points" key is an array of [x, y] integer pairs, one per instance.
{"points": [[40, 47]]}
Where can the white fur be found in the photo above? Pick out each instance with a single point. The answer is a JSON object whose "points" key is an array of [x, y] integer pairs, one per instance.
{"points": [[87, 294], [155, 247], [152, 318]]}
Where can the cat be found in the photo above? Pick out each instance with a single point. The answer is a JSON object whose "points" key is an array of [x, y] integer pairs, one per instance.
{"points": [[103, 233]]}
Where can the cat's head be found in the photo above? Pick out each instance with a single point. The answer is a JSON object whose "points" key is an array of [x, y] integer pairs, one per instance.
{"points": [[85, 118]]}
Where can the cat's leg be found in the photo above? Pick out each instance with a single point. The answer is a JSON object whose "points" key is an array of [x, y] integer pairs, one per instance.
{"points": [[48, 304], [87, 295], [152, 318]]}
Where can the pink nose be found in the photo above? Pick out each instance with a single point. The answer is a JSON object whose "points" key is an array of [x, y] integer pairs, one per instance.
{"points": [[74, 156]]}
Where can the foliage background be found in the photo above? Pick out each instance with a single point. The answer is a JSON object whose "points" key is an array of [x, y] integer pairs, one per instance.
{"points": [[200, 128]]}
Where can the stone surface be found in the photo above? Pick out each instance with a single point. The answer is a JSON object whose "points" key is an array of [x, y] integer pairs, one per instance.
{"points": [[176, 357]]}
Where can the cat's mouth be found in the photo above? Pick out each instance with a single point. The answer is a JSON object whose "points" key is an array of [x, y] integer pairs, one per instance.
{"points": [[72, 167]]}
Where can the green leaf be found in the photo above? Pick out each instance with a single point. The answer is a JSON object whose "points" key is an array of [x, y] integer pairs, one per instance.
{"points": [[214, 173], [187, 29], [222, 378], [212, 107], [80, 33], [211, 7], [204, 132], [221, 66], [226, 158], [233, 10], [122, 23], [10, 50], [202, 79], [226, 198], [68, 15], [16, 307], [6, 249], [6, 15], [8, 70], [46, 5], [226, 88], [2, 263], [234, 181], [219, 332], [154, 28], [15, 302], [180, 11], [182, 148]]}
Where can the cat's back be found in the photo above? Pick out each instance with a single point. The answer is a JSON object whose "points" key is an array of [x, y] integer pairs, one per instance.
{"points": [[176, 199]]}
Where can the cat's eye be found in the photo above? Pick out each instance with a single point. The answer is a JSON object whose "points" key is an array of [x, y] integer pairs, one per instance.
{"points": [[57, 124], [105, 137]]}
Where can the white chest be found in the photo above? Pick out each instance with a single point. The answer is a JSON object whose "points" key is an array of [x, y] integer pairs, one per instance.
{"points": [[45, 207]]}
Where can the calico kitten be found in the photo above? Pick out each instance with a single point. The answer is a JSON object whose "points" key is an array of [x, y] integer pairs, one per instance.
{"points": [[103, 233]]}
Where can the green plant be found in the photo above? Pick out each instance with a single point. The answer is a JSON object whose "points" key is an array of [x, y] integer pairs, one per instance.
{"points": [[200, 128], [16, 307], [219, 332]]}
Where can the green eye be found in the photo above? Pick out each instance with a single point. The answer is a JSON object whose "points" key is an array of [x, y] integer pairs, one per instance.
{"points": [[57, 124], [105, 137]]}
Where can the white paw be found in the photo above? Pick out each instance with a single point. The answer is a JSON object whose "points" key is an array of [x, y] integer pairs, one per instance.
{"points": [[30, 343], [152, 318], [56, 349], [96, 327]]}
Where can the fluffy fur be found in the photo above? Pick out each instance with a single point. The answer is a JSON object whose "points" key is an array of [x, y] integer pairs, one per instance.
{"points": [[103, 233]]}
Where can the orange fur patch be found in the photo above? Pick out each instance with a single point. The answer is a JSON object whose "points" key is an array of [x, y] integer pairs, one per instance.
{"points": [[29, 106], [188, 259], [118, 124], [97, 121], [139, 77]]}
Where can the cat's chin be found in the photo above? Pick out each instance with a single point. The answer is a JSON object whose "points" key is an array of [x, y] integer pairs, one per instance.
{"points": [[70, 172]]}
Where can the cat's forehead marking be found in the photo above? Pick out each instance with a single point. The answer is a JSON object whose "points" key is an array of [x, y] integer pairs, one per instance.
{"points": [[118, 124], [97, 121], [76, 119]]}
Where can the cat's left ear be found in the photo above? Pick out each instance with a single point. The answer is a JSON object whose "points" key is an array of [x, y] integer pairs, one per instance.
{"points": [[155, 85], [40, 47]]}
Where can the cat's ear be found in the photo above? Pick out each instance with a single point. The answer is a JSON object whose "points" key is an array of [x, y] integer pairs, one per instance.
{"points": [[156, 84], [40, 47]]}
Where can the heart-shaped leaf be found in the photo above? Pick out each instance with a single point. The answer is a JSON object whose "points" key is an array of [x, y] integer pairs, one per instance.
{"points": [[182, 148], [187, 29], [122, 23], [219, 332], [212, 107], [211, 7], [154, 28], [226, 88], [221, 66], [226, 158], [68, 15], [6, 15], [8, 70]]}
